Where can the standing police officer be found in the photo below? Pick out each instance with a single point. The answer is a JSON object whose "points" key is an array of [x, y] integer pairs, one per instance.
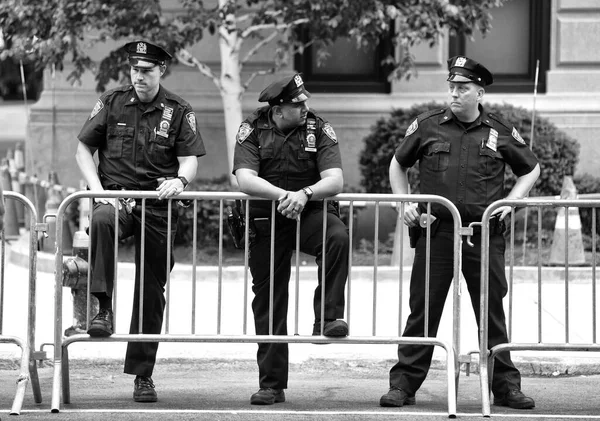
{"points": [[462, 151], [285, 152], [146, 139]]}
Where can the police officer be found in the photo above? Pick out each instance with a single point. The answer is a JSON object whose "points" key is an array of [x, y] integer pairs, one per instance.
{"points": [[146, 138], [285, 152], [462, 151]]}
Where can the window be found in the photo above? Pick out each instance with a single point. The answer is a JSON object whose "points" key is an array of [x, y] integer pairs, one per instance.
{"points": [[347, 69], [520, 36]]}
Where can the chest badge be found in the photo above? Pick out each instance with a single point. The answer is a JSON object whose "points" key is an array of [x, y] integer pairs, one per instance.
{"points": [[165, 122], [311, 138], [492, 141]]}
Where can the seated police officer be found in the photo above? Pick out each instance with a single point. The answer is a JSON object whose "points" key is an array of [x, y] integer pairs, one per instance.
{"points": [[146, 138], [285, 152], [462, 152]]}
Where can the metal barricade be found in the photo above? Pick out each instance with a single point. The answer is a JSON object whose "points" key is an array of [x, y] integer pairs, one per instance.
{"points": [[200, 333], [545, 280], [28, 368]]}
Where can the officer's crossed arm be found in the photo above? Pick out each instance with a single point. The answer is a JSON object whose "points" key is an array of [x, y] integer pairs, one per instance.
{"points": [[399, 182], [520, 190]]}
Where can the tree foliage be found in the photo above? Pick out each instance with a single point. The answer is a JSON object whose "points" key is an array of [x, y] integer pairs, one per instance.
{"points": [[52, 31]]}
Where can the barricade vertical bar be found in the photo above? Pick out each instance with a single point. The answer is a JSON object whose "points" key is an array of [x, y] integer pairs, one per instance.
{"points": [[297, 281], [375, 266], [349, 281], [89, 272], [594, 308], [539, 265], [401, 271], [3, 257], [142, 264], [483, 321], [323, 280], [272, 268], [511, 271], [58, 348], [220, 270], [427, 269], [246, 248], [567, 274], [168, 266], [115, 263], [194, 263]]}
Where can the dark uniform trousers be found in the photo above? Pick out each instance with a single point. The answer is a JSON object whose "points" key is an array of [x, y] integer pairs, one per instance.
{"points": [[414, 360], [141, 356], [272, 358]]}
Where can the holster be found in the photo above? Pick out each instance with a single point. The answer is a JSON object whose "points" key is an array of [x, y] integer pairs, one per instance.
{"points": [[413, 235], [237, 224]]}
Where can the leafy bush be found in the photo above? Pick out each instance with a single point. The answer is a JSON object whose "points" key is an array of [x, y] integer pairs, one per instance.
{"points": [[555, 150]]}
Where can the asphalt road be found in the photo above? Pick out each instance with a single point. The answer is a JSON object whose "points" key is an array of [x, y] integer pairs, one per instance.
{"points": [[318, 390]]}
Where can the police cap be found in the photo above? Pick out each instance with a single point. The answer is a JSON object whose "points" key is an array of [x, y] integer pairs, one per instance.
{"points": [[146, 55], [288, 90], [463, 69]]}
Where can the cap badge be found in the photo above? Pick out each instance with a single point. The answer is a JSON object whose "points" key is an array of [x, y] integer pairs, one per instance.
{"points": [[460, 62], [298, 80], [141, 48]]}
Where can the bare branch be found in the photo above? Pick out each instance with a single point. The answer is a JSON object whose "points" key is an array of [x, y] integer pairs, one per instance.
{"points": [[186, 58], [253, 75], [258, 46], [252, 29], [304, 46]]}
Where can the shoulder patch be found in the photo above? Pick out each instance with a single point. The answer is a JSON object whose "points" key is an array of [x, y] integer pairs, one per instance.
{"points": [[412, 128], [97, 108], [517, 136], [243, 132], [328, 130], [191, 119]]}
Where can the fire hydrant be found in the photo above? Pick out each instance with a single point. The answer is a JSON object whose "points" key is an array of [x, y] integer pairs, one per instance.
{"points": [[75, 275]]}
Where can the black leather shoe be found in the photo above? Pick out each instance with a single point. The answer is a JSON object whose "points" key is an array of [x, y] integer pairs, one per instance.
{"points": [[102, 324], [514, 399], [397, 397], [332, 328], [267, 396], [143, 389]]}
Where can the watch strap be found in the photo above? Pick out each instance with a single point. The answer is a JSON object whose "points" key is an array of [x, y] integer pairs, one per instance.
{"points": [[184, 181]]}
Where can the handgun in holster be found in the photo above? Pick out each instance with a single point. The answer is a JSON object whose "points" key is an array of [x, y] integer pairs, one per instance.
{"points": [[237, 224]]}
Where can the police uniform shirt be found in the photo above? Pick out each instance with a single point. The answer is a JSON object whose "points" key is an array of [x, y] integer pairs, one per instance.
{"points": [[290, 161], [140, 142], [464, 164]]}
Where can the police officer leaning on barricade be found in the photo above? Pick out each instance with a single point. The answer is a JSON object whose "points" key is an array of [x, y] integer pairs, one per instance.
{"points": [[146, 138], [285, 152], [462, 152]]}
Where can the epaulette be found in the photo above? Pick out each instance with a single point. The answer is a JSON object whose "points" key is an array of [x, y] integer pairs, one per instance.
{"points": [[110, 92], [430, 113], [174, 97], [500, 120], [262, 112]]}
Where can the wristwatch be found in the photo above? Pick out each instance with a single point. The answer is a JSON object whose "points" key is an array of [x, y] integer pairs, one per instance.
{"points": [[308, 192], [183, 180]]}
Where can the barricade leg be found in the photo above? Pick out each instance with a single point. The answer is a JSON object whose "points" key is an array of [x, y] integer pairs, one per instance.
{"points": [[56, 385], [35, 381], [23, 378], [66, 386]]}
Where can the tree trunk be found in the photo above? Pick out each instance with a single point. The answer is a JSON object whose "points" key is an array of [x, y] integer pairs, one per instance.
{"points": [[231, 88]]}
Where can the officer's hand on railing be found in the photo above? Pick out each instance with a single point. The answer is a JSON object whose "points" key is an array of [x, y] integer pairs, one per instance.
{"points": [[292, 204], [169, 188], [411, 215], [502, 211], [107, 201]]}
